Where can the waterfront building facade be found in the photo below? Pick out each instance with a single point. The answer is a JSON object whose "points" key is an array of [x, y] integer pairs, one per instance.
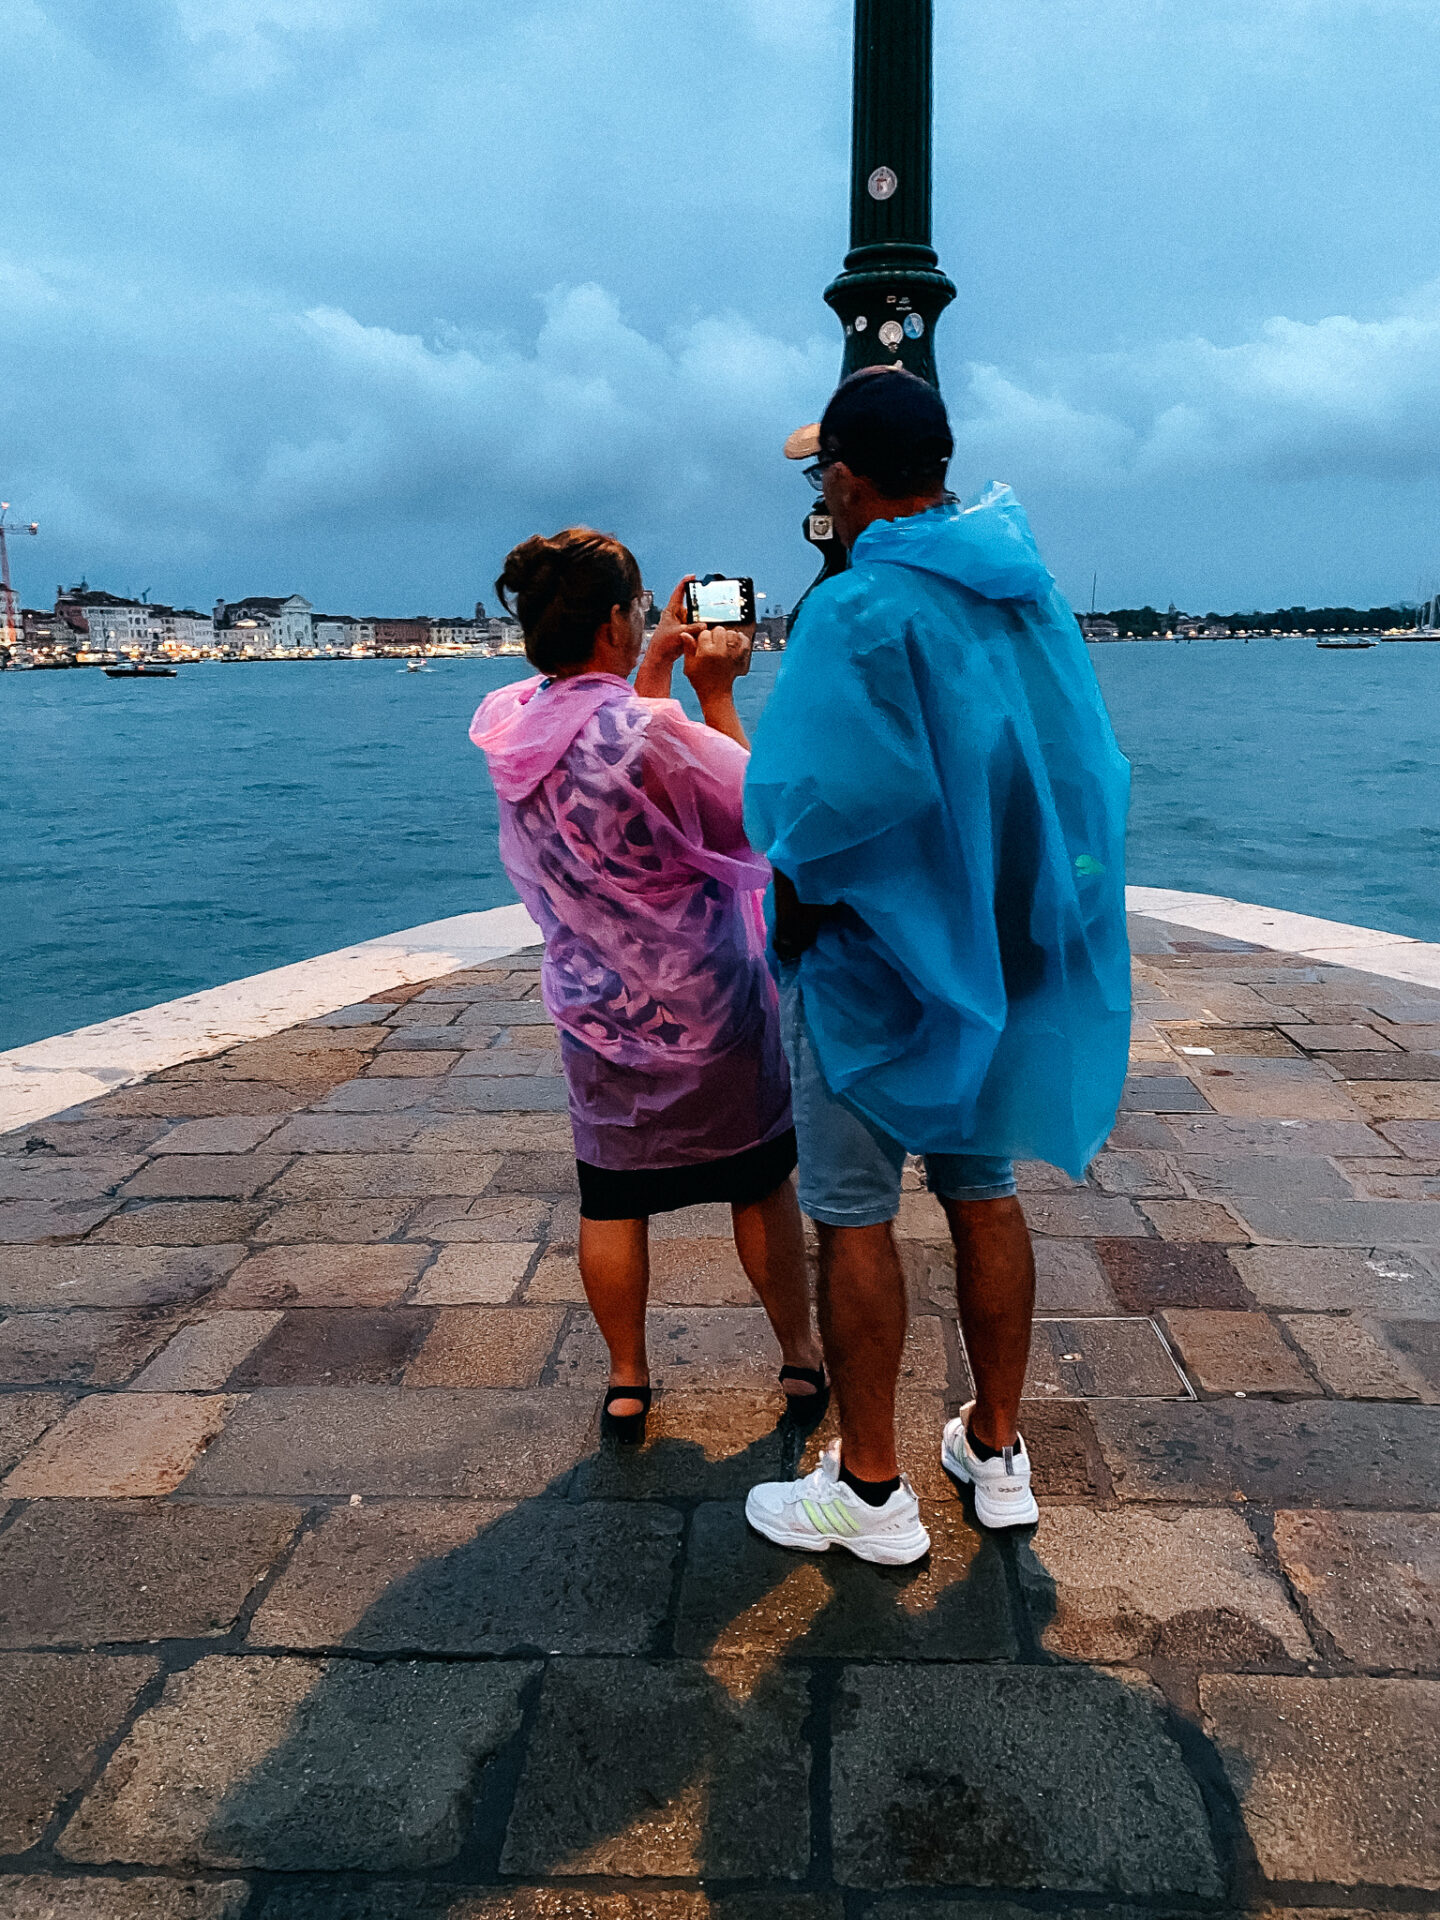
{"points": [[341, 632], [181, 629], [459, 632], [401, 636], [104, 622], [264, 623]]}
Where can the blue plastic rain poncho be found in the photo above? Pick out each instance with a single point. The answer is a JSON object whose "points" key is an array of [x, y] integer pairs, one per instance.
{"points": [[937, 759]]}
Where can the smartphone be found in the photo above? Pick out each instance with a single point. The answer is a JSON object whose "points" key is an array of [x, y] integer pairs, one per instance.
{"points": [[717, 602]]}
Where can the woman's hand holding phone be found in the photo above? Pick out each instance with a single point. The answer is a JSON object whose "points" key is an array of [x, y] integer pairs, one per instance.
{"points": [[667, 644], [715, 658]]}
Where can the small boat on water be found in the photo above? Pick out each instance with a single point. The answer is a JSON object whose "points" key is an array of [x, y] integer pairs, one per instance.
{"points": [[1343, 646], [140, 670]]}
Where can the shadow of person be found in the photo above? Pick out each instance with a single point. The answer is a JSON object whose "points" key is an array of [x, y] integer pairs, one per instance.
{"points": [[616, 1679]]}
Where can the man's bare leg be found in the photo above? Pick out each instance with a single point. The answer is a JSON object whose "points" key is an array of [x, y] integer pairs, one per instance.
{"points": [[863, 1311], [995, 1292], [770, 1239], [615, 1272]]}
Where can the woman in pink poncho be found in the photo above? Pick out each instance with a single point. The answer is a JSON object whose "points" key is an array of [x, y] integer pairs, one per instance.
{"points": [[620, 828]]}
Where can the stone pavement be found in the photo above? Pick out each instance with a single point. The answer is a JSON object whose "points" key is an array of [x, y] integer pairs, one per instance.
{"points": [[319, 1598]]}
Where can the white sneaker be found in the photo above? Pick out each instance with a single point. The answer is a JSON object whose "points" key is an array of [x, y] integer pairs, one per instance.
{"points": [[1002, 1485], [820, 1511]]}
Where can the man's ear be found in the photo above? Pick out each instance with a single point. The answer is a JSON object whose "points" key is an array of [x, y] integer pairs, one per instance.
{"points": [[846, 480]]}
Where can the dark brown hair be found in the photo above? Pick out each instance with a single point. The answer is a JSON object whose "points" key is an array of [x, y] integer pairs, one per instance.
{"points": [[564, 588]]}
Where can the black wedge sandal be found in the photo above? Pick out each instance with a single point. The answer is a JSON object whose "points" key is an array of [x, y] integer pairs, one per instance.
{"points": [[806, 1409], [627, 1429]]}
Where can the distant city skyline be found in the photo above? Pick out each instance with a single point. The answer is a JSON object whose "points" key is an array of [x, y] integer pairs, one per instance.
{"points": [[358, 296]]}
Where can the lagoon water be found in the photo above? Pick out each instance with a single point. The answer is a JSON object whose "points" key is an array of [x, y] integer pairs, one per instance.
{"points": [[160, 836]]}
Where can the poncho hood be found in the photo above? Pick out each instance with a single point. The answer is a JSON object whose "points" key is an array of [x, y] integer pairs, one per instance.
{"points": [[986, 546], [525, 739]]}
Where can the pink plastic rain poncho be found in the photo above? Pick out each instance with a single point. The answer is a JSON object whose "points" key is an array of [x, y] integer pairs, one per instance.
{"points": [[621, 830]]}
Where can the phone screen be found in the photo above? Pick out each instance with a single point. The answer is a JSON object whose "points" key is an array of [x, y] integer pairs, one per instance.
{"points": [[718, 603]]}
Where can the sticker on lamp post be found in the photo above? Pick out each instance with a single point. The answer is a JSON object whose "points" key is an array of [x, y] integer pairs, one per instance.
{"points": [[914, 325], [882, 183], [891, 334]]}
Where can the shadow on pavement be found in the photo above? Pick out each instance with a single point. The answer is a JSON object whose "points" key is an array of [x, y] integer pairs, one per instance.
{"points": [[604, 1690]]}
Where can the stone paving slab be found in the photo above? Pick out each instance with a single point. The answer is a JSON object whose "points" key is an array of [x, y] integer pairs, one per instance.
{"points": [[667, 1771], [1341, 1452], [1238, 1353], [1294, 1749], [78, 1572], [23, 1418], [1348, 1358], [297, 1764], [326, 1601], [1336, 1279], [1031, 1777], [202, 1357], [102, 1348], [1188, 1586], [491, 1444], [37, 1896], [120, 1446], [1146, 1274], [415, 1900], [446, 1576], [325, 1276], [1370, 1581], [57, 1709]]}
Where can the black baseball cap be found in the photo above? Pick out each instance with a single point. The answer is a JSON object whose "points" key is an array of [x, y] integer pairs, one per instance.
{"points": [[883, 422]]}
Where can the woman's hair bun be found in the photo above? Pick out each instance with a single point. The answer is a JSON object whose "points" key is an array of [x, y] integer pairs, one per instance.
{"points": [[528, 568], [564, 588]]}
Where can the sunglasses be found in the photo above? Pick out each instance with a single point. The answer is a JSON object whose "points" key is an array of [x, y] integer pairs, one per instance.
{"points": [[816, 473]]}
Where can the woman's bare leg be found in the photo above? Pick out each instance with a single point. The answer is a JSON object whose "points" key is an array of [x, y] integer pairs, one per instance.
{"points": [[615, 1272], [770, 1239]]}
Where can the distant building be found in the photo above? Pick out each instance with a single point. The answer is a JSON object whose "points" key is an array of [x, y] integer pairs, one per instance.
{"points": [[770, 633], [263, 623], [1095, 626], [41, 629], [182, 628], [104, 622], [506, 636], [460, 632], [341, 631], [401, 635]]}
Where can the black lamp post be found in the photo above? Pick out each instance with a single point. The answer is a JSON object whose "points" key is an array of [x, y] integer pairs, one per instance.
{"points": [[891, 291]]}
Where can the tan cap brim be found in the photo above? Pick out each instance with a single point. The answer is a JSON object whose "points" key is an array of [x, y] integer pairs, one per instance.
{"points": [[804, 443]]}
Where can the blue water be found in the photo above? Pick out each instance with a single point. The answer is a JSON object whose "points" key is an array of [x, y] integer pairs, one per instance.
{"points": [[160, 836]]}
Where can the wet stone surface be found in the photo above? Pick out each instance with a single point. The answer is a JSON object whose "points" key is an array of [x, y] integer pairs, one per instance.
{"points": [[293, 1764], [320, 1598], [1293, 1749], [1015, 1777]]}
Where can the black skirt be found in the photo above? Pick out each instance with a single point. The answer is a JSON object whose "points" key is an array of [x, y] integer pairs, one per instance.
{"points": [[740, 1179]]}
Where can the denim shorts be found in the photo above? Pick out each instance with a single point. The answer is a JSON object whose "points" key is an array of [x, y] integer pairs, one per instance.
{"points": [[850, 1169]]}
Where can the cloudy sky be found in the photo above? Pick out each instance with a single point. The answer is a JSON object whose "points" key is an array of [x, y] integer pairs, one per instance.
{"points": [[344, 296]]}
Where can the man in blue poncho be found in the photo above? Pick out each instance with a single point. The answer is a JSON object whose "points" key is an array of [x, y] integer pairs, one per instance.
{"points": [[939, 793]]}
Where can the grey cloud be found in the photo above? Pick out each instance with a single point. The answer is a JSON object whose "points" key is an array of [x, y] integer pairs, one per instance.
{"points": [[1336, 398]]}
